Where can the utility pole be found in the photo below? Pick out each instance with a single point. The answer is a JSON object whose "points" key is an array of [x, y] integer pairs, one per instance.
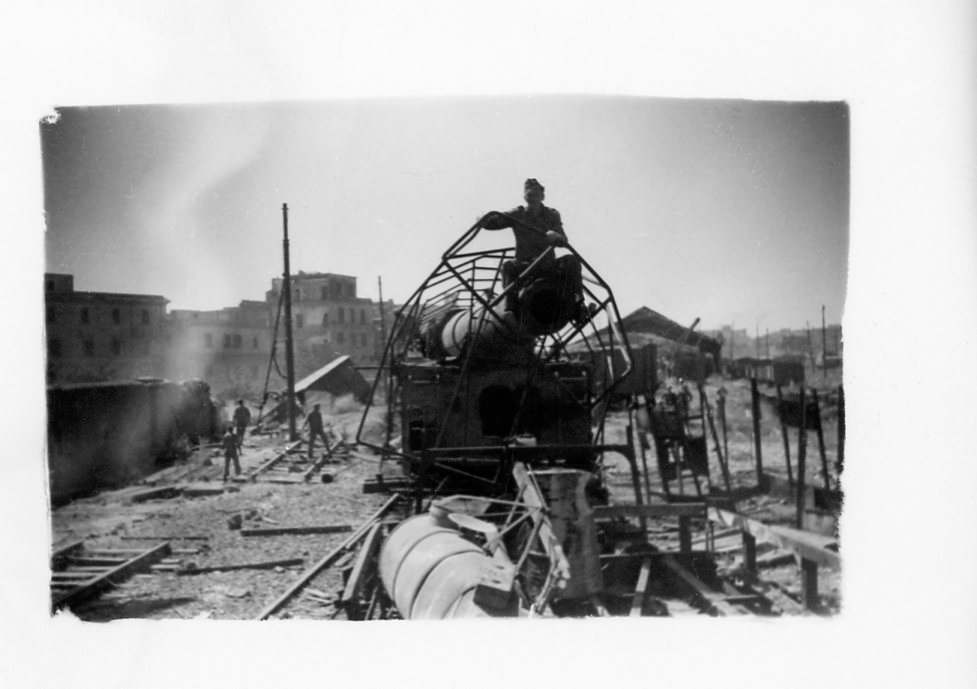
{"points": [[383, 327], [767, 338], [756, 339], [289, 351], [824, 346]]}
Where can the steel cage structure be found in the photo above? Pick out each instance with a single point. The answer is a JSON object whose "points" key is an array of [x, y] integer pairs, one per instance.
{"points": [[470, 281]]}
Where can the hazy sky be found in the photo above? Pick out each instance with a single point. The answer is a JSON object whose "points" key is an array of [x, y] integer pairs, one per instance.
{"points": [[726, 210]]}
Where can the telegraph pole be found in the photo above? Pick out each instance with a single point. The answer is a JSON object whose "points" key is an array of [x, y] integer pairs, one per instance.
{"points": [[383, 328], [289, 351], [824, 345]]}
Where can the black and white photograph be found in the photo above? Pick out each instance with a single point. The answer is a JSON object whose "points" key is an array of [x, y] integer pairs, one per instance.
{"points": [[529, 344], [446, 358]]}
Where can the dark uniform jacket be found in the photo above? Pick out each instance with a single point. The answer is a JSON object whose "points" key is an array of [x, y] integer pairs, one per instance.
{"points": [[314, 420], [529, 243], [242, 416]]}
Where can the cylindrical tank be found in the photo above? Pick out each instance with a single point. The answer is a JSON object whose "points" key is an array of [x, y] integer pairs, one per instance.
{"points": [[431, 571]]}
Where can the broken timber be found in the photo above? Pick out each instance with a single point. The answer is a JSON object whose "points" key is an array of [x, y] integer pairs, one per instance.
{"points": [[326, 561], [99, 582], [811, 549], [297, 530], [269, 564]]}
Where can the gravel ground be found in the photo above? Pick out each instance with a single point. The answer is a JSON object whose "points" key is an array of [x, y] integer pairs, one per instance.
{"points": [[103, 520]]}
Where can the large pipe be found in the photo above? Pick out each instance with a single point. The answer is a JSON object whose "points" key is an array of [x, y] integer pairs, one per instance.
{"points": [[543, 307], [431, 571]]}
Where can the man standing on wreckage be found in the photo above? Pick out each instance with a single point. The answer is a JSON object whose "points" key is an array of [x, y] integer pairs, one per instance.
{"points": [[537, 227]]}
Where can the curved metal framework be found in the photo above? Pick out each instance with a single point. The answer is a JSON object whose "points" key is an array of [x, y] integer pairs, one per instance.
{"points": [[469, 282]]}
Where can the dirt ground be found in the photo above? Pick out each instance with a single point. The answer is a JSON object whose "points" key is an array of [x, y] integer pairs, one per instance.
{"points": [[113, 520]]}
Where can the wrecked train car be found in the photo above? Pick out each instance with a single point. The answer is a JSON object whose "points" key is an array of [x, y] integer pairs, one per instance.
{"points": [[102, 435]]}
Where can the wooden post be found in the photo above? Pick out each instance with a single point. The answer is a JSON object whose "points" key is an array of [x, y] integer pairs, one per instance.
{"points": [[809, 584], [635, 481], [820, 434], [801, 461], [786, 437], [757, 449], [841, 430], [721, 403], [749, 553], [685, 533], [715, 439]]}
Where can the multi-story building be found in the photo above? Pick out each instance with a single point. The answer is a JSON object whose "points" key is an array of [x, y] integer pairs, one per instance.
{"points": [[97, 336], [329, 318], [229, 347]]}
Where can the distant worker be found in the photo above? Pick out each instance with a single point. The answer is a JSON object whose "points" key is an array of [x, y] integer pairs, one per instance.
{"points": [[537, 227], [242, 417], [314, 422], [231, 454]]}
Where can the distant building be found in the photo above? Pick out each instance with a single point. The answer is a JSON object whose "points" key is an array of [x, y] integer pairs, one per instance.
{"points": [[99, 336], [329, 318], [229, 347]]}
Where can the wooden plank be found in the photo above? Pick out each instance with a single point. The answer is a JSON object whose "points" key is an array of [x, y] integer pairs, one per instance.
{"points": [[67, 549], [640, 588], [140, 562], [326, 561], [163, 492], [679, 509], [657, 554], [170, 537], [354, 583], [297, 530], [93, 561], [267, 564], [713, 598], [808, 545]]}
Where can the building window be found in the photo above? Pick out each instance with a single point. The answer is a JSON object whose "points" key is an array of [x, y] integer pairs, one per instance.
{"points": [[54, 348], [254, 343], [84, 315], [89, 347], [49, 314], [237, 341], [342, 315], [340, 337], [116, 316], [362, 317], [208, 340], [227, 340], [116, 346], [145, 316], [324, 292], [350, 290], [325, 319], [299, 320]]}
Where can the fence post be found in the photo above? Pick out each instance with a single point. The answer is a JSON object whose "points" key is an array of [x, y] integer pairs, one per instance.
{"points": [[757, 450]]}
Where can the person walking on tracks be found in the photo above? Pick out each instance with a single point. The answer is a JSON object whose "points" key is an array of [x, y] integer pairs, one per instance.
{"points": [[231, 452], [242, 417], [314, 422]]}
